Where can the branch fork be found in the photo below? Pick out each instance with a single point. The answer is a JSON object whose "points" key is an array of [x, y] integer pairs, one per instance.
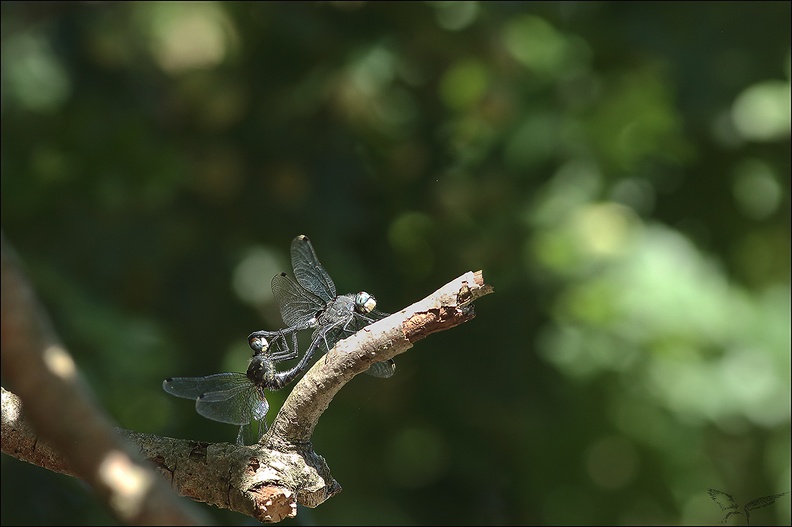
{"points": [[267, 480]]}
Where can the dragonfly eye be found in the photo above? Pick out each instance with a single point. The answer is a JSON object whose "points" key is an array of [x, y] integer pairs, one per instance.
{"points": [[258, 344], [365, 303]]}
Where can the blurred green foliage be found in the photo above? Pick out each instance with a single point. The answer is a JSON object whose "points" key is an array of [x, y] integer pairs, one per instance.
{"points": [[620, 171]]}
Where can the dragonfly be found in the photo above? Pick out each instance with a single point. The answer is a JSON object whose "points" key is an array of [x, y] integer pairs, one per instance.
{"points": [[726, 503], [312, 303], [239, 398]]}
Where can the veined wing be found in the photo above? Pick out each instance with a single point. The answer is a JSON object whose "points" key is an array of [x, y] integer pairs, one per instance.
{"points": [[237, 405], [764, 501], [724, 501], [250, 433], [383, 369], [308, 271], [194, 387], [297, 305]]}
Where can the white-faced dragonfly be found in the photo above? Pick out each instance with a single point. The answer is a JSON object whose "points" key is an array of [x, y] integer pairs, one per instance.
{"points": [[238, 398], [312, 303]]}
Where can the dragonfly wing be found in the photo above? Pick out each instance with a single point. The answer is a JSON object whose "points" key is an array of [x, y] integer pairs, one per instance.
{"points": [[764, 501], [330, 334], [193, 387], [250, 433], [237, 406], [297, 305], [308, 271], [724, 501], [383, 369]]}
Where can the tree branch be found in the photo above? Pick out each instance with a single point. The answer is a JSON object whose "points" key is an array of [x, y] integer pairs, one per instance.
{"points": [[267, 480], [60, 407]]}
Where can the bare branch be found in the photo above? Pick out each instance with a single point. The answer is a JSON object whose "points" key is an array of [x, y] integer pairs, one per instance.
{"points": [[61, 409], [267, 480], [220, 474]]}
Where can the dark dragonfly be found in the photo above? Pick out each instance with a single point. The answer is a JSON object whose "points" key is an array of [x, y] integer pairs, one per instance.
{"points": [[312, 303], [238, 398]]}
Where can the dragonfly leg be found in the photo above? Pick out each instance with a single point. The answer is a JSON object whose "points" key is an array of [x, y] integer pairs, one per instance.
{"points": [[286, 352]]}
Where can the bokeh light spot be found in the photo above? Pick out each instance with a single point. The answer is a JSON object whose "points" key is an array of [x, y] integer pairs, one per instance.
{"points": [[188, 36], [536, 44], [454, 16], [756, 189], [252, 276], [34, 76], [464, 84], [761, 112]]}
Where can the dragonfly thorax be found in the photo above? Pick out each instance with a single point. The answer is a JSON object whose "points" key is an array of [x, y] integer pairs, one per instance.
{"points": [[261, 371], [341, 308]]}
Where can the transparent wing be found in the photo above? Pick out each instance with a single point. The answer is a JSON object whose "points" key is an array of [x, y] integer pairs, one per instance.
{"points": [[724, 501], [383, 369], [250, 433], [237, 405], [764, 501], [308, 271], [297, 306], [329, 334], [193, 387]]}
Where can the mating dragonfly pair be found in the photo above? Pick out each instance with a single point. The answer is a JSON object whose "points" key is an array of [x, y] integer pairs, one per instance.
{"points": [[309, 303]]}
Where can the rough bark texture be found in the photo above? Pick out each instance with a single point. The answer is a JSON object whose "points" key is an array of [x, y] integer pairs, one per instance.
{"points": [[265, 481]]}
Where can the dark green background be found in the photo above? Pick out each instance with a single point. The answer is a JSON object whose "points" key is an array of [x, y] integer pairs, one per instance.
{"points": [[619, 171]]}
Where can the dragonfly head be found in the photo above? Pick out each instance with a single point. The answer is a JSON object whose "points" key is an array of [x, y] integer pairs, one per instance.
{"points": [[258, 345], [364, 303]]}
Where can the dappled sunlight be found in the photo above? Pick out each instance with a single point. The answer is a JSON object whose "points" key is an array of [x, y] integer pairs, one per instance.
{"points": [[12, 408], [463, 85], [249, 280], [691, 333], [60, 363], [366, 93], [128, 484], [605, 230], [544, 50], [636, 120], [188, 36], [34, 76], [455, 15], [762, 111], [756, 189]]}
